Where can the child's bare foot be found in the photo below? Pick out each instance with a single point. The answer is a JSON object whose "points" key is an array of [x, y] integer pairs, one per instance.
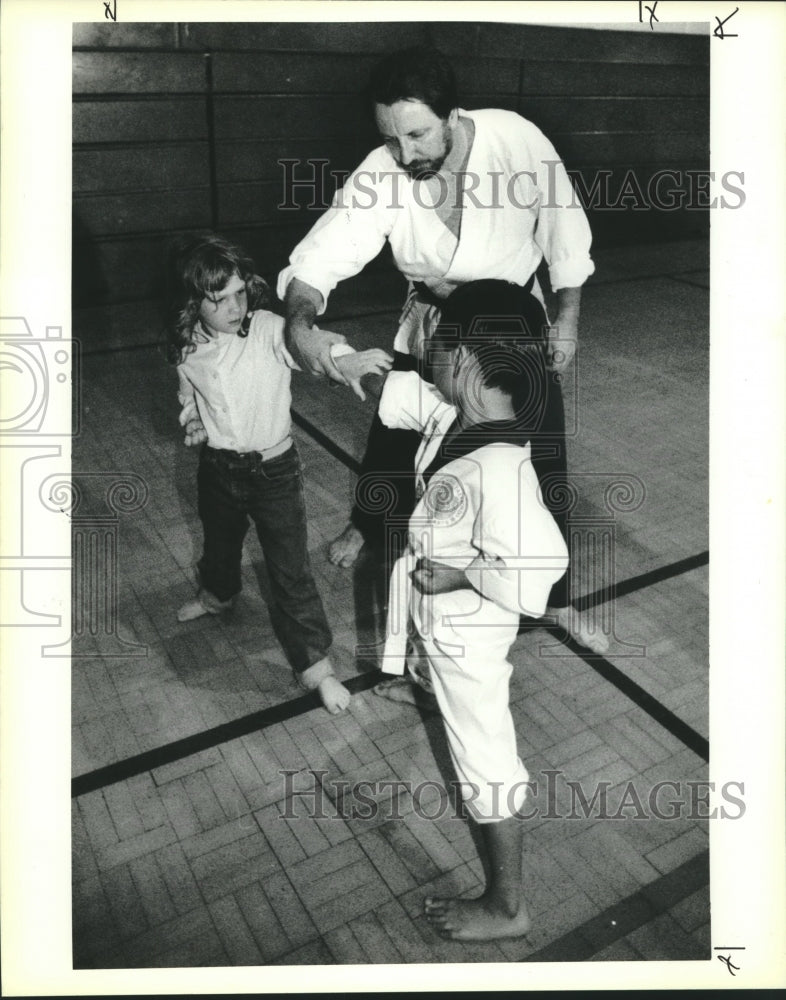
{"points": [[334, 695], [475, 919], [345, 549], [578, 628], [203, 604]]}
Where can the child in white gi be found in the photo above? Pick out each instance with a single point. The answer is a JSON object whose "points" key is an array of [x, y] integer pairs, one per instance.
{"points": [[236, 396], [483, 549]]}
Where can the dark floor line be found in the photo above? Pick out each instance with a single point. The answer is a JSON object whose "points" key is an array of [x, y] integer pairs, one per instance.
{"points": [[626, 916], [693, 284], [635, 692], [626, 279], [635, 583], [330, 446], [177, 750], [92, 781]]}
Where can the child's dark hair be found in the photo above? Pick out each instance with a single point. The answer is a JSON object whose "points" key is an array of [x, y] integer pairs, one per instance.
{"points": [[501, 325], [199, 267], [414, 74]]}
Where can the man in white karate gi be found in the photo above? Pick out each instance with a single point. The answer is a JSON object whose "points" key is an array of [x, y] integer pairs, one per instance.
{"points": [[459, 196]]}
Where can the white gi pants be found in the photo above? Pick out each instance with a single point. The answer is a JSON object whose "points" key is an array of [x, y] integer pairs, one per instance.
{"points": [[467, 639]]}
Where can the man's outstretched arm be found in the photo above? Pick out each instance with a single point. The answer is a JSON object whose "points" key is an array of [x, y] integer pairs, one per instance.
{"points": [[310, 347]]}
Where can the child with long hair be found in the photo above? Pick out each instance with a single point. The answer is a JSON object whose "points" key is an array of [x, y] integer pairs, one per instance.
{"points": [[235, 394]]}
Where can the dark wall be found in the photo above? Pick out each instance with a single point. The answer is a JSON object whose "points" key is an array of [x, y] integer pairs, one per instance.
{"points": [[178, 127]]}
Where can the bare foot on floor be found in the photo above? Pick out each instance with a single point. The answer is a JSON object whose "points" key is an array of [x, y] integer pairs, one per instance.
{"points": [[334, 695], [577, 626], [345, 549], [404, 691], [474, 919]]}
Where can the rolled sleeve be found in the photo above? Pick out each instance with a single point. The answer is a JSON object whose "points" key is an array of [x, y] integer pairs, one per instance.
{"points": [[563, 233], [570, 272], [349, 234], [407, 402]]}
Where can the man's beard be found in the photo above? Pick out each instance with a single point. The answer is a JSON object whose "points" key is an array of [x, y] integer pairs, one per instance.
{"points": [[421, 170], [424, 169]]}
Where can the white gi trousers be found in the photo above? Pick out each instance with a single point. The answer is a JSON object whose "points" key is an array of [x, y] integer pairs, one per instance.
{"points": [[467, 639]]}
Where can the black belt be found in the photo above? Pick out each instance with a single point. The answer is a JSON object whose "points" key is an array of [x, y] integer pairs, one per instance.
{"points": [[428, 296]]}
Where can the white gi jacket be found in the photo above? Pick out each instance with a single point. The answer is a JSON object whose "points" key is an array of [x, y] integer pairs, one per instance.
{"points": [[481, 512], [518, 206]]}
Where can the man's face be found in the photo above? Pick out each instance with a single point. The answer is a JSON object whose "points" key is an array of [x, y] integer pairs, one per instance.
{"points": [[417, 139]]}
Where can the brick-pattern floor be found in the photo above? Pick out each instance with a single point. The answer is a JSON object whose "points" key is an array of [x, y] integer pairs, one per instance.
{"points": [[262, 848]]}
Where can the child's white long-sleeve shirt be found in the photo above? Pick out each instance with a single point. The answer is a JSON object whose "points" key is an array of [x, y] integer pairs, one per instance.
{"points": [[238, 387]]}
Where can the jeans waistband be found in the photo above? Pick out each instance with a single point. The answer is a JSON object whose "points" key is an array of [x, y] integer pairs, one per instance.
{"points": [[265, 456]]}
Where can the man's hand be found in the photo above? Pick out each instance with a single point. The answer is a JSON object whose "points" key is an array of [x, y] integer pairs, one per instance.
{"points": [[564, 334], [311, 349], [436, 578], [561, 346], [309, 346], [354, 366]]}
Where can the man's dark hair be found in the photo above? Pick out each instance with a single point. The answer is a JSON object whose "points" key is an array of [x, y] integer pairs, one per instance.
{"points": [[414, 74]]}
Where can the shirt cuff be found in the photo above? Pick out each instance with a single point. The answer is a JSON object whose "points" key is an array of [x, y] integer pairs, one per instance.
{"points": [[570, 273], [407, 401], [337, 350], [314, 280]]}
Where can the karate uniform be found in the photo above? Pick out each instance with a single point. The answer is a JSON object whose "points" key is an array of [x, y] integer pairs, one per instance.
{"points": [[479, 509], [517, 207]]}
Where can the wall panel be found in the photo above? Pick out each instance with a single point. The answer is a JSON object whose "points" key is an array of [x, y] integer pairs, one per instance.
{"points": [[602, 114], [373, 37], [106, 168], [544, 43], [138, 72], [131, 121], [290, 72]]}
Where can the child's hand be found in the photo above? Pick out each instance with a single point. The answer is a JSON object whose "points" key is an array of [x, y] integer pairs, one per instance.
{"points": [[191, 422], [354, 366], [435, 578], [195, 432]]}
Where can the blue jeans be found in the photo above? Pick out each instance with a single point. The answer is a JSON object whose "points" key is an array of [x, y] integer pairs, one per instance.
{"points": [[234, 487]]}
